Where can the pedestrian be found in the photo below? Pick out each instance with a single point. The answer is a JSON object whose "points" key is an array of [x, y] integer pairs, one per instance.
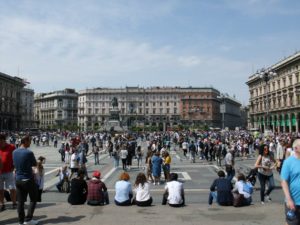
{"points": [[39, 176], [149, 166], [123, 155], [96, 154], [24, 160], [7, 180], [166, 165], [139, 156], [156, 167], [229, 164], [290, 176], [265, 163]]}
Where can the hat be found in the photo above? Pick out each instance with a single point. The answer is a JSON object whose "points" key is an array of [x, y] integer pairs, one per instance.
{"points": [[97, 174]]}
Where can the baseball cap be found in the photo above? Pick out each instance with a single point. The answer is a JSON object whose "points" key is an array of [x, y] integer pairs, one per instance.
{"points": [[97, 174]]}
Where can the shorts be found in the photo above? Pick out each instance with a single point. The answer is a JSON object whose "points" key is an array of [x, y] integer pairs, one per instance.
{"points": [[296, 221], [7, 181]]}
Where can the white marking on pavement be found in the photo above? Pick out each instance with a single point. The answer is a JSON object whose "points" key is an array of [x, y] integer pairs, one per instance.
{"points": [[186, 176], [109, 174]]}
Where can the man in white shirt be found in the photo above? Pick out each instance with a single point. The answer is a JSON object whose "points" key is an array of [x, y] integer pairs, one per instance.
{"points": [[185, 145], [174, 192]]}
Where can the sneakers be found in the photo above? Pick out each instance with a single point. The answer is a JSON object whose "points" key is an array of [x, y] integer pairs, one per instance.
{"points": [[32, 222], [262, 203], [267, 197]]}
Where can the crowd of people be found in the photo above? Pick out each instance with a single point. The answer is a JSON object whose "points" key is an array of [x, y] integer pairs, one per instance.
{"points": [[23, 175]]}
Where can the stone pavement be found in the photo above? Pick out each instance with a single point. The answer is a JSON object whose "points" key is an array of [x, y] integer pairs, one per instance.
{"points": [[200, 214]]}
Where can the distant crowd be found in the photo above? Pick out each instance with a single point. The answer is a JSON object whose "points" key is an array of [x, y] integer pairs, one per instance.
{"points": [[21, 174]]}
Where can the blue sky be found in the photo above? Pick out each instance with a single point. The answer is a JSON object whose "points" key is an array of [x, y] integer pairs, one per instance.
{"points": [[93, 43]]}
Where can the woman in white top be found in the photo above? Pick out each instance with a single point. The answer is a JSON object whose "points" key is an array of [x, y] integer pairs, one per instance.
{"points": [[142, 191], [243, 189], [123, 156], [39, 174], [265, 164]]}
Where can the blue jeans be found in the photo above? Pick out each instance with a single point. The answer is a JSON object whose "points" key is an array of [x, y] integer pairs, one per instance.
{"points": [[212, 196], [263, 179], [230, 174]]}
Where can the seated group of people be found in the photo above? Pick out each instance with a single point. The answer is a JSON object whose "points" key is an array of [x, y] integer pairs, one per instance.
{"points": [[95, 191], [227, 195]]}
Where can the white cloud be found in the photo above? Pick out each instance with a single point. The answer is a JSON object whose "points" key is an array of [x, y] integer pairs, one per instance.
{"points": [[53, 56]]}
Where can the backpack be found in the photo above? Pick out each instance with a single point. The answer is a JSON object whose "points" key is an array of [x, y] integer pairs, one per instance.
{"points": [[248, 188]]}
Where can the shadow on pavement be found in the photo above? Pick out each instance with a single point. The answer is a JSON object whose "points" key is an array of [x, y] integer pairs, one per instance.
{"points": [[44, 205], [61, 219], [15, 220]]}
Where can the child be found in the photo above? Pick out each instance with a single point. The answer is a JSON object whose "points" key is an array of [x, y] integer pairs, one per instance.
{"points": [[39, 173]]}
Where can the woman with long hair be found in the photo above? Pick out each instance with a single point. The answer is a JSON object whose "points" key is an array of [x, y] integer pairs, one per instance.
{"points": [[265, 163], [39, 173], [142, 191]]}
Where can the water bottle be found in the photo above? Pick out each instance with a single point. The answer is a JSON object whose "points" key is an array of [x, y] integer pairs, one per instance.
{"points": [[291, 215]]}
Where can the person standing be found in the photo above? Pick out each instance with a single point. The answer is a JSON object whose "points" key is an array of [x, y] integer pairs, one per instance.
{"points": [[290, 176], [6, 171], [229, 164], [24, 160], [265, 165], [156, 167]]}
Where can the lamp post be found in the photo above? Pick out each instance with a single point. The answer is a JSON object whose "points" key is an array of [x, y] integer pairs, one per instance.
{"points": [[266, 75]]}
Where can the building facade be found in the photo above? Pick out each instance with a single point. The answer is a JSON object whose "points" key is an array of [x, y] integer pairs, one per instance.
{"points": [[163, 107], [56, 110], [275, 103], [10, 102], [230, 110], [27, 102]]}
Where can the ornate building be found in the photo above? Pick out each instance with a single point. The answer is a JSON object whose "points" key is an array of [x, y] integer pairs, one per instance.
{"points": [[56, 110], [275, 102], [163, 107], [10, 102]]}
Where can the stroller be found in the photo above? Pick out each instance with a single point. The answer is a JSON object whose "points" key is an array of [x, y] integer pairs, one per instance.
{"points": [[251, 177]]}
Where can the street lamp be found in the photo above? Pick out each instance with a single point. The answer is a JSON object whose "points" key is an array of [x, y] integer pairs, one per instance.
{"points": [[266, 75]]}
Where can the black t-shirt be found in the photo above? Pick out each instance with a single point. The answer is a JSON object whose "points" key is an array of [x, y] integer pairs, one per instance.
{"points": [[223, 187], [78, 192]]}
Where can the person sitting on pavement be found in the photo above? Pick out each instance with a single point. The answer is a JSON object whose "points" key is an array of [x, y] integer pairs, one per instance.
{"points": [[221, 190], [174, 192], [63, 175], [242, 191], [78, 189], [97, 190], [142, 190], [123, 190]]}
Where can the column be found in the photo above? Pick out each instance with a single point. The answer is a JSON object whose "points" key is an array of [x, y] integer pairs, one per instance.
{"points": [[290, 121]]}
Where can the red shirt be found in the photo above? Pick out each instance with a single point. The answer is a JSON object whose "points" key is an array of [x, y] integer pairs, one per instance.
{"points": [[7, 158], [95, 188]]}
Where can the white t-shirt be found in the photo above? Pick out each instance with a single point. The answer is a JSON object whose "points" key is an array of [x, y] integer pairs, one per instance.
{"points": [[142, 192], [185, 145], [228, 159], [123, 153], [239, 186], [74, 162], [175, 189]]}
